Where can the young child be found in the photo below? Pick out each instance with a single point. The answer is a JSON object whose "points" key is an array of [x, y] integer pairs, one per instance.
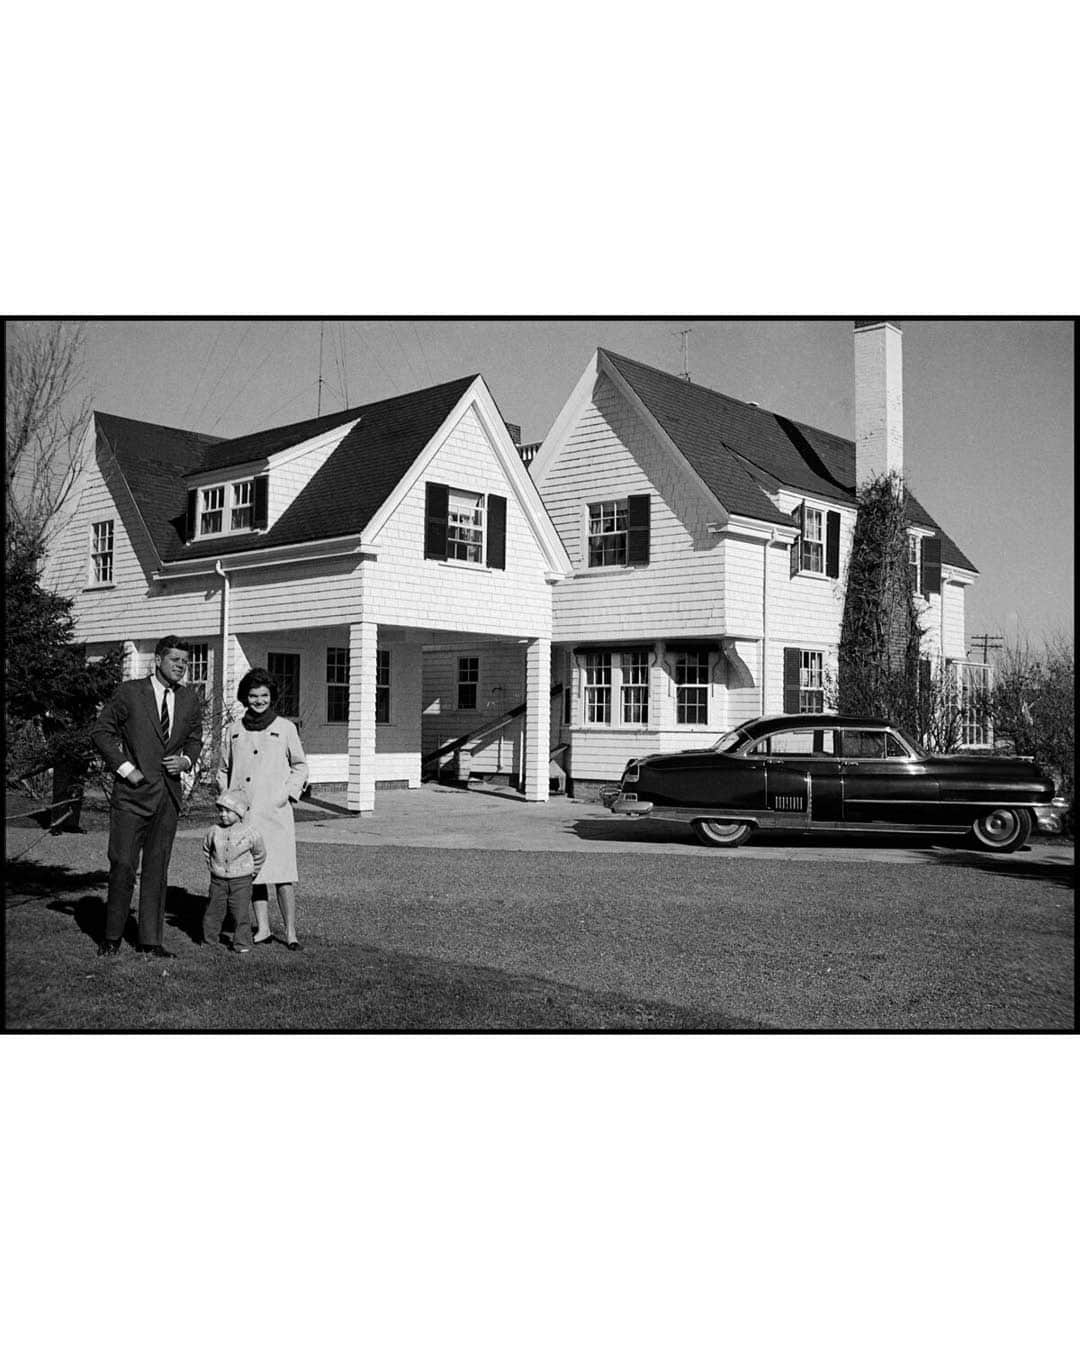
{"points": [[234, 852]]}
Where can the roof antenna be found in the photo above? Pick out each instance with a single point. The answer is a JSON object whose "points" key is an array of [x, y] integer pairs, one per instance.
{"points": [[684, 333], [319, 385]]}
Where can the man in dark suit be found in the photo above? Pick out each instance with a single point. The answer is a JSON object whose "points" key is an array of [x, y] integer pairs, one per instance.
{"points": [[149, 733]]}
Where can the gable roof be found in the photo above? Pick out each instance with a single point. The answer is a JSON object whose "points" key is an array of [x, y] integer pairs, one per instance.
{"points": [[741, 451], [342, 497]]}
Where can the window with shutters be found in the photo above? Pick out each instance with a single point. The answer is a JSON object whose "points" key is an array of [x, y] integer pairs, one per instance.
{"points": [[236, 507], [337, 684], [101, 553], [465, 526], [607, 534], [213, 510], [811, 682], [242, 496], [914, 557], [813, 541], [691, 688]]}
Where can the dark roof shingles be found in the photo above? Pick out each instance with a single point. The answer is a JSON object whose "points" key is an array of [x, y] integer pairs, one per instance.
{"points": [[764, 449]]}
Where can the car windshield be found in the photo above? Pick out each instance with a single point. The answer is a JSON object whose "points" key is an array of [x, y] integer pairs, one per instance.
{"points": [[730, 739]]}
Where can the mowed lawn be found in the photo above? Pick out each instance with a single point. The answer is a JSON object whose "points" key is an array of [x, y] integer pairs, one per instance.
{"points": [[423, 939]]}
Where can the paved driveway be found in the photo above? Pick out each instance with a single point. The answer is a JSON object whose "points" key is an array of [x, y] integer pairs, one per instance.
{"points": [[434, 816]]}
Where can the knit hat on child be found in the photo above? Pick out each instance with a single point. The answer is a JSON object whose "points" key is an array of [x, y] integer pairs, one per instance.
{"points": [[236, 799]]}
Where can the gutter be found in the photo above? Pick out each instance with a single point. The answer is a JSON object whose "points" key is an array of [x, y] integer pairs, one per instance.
{"points": [[351, 545], [225, 598]]}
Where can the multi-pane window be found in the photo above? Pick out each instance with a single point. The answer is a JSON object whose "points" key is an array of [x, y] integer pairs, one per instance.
{"points": [[198, 671], [811, 682], [914, 555], [337, 684], [213, 508], [598, 688], [635, 687], [813, 540], [468, 681], [382, 686], [607, 534], [101, 552], [691, 688], [465, 526], [242, 496]]}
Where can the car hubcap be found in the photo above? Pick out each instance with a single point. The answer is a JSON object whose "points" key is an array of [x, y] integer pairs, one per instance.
{"points": [[999, 826]]}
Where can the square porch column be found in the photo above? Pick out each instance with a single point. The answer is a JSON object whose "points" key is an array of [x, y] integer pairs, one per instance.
{"points": [[363, 645], [537, 719]]}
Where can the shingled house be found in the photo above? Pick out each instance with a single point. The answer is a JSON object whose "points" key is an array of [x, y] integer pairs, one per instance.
{"points": [[709, 540], [364, 557]]}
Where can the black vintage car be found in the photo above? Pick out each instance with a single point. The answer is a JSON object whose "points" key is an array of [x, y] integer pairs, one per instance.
{"points": [[837, 774]]}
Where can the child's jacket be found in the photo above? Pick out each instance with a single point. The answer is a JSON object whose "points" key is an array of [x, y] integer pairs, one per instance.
{"points": [[236, 851]]}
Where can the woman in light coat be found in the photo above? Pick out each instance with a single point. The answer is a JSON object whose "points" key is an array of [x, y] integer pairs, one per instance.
{"points": [[263, 756]]}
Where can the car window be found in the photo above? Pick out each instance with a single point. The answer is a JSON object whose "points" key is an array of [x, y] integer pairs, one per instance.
{"points": [[864, 744], [894, 748], [814, 741]]}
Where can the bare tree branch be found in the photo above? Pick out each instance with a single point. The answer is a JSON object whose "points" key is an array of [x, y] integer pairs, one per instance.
{"points": [[45, 421]]}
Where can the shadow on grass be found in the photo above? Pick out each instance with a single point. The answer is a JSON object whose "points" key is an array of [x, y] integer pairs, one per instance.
{"points": [[1024, 865]]}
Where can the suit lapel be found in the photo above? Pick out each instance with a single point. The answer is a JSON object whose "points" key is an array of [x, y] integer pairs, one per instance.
{"points": [[155, 708]]}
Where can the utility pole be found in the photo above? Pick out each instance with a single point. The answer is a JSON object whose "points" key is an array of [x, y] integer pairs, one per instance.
{"points": [[990, 642], [684, 333]]}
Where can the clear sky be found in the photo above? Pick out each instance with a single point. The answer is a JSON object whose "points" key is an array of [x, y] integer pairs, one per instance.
{"points": [[988, 405]]}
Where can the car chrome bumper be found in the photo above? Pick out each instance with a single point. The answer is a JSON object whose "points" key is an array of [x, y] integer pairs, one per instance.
{"points": [[625, 805], [1048, 819]]}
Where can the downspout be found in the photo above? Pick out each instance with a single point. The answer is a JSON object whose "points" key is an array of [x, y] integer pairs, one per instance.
{"points": [[225, 597]]}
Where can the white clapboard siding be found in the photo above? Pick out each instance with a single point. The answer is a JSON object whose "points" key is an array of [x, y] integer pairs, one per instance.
{"points": [[610, 454], [954, 635], [403, 587], [501, 687]]}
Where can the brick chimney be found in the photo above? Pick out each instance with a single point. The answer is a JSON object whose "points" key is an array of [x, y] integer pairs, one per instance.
{"points": [[879, 399]]}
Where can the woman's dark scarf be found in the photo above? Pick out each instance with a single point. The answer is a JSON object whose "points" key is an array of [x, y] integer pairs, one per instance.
{"points": [[253, 721]]}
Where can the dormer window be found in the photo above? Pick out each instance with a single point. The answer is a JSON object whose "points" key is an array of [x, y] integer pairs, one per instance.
{"points": [[242, 494], [210, 517], [238, 507]]}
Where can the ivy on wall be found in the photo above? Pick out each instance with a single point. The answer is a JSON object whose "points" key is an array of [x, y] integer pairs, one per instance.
{"points": [[878, 660]]}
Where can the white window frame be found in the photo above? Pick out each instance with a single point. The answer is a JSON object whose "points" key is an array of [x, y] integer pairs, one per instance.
{"points": [[634, 667], [597, 682], [812, 541], [607, 523], [811, 681], [103, 558], [680, 657], [199, 667], [466, 513], [337, 665], [230, 497]]}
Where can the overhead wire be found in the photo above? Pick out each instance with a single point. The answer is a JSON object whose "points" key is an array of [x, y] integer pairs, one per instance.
{"points": [[423, 353], [226, 366], [243, 386], [206, 363], [405, 354], [375, 354]]}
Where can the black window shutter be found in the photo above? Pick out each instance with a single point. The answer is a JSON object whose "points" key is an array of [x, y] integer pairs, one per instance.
{"points": [[792, 666], [832, 543], [931, 565], [796, 548], [496, 531], [260, 502], [436, 513], [638, 519], [192, 512]]}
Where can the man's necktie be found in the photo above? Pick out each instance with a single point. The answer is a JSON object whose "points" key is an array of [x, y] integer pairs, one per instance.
{"points": [[165, 716]]}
